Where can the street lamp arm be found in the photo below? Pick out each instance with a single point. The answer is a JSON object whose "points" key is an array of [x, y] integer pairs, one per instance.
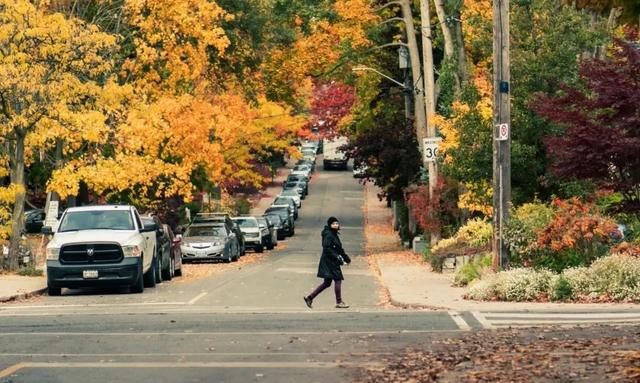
{"points": [[394, 44], [364, 68]]}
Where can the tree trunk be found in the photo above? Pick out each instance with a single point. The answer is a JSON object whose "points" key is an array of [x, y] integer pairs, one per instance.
{"points": [[463, 69], [16, 159], [448, 37]]}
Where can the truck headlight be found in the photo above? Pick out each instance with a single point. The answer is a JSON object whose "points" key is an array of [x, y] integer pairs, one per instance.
{"points": [[53, 253], [132, 251]]}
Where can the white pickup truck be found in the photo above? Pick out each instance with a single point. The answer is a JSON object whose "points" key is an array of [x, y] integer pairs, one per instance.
{"points": [[102, 246], [334, 158]]}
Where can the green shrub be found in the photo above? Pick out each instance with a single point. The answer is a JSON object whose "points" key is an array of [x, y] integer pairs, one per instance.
{"points": [[472, 270], [242, 205], [521, 231], [29, 271], [611, 278], [561, 289], [476, 232], [435, 260]]}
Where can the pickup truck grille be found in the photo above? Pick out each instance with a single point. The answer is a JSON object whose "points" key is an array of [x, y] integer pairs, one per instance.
{"points": [[91, 253]]}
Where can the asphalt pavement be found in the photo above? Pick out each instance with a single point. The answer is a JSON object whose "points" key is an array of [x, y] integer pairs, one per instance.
{"points": [[247, 323]]}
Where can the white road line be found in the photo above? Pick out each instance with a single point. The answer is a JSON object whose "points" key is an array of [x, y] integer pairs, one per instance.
{"points": [[480, 318], [462, 324], [552, 321], [129, 334], [595, 316], [92, 305], [213, 353], [16, 367], [197, 298]]}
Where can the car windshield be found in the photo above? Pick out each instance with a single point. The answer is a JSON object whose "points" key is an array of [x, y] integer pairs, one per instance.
{"points": [[274, 219], [282, 212], [291, 185], [204, 231], [262, 221], [290, 192], [246, 222], [97, 219], [282, 201], [208, 219]]}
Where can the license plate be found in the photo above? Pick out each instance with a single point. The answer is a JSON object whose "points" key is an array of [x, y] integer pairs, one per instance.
{"points": [[89, 274]]}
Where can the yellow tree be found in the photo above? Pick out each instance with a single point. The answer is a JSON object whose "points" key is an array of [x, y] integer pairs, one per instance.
{"points": [[47, 63]]}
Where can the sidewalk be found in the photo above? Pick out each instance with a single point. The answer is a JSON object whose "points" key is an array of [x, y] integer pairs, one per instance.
{"points": [[14, 287], [410, 282]]}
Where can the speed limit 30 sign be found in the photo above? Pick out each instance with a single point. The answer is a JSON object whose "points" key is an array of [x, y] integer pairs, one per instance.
{"points": [[430, 148]]}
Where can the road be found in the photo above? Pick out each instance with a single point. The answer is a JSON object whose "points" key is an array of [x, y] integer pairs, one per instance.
{"points": [[248, 323]]}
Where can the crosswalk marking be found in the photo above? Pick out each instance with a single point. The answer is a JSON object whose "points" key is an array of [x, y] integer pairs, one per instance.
{"points": [[511, 319]]}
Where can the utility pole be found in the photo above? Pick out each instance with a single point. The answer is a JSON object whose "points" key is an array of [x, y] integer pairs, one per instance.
{"points": [[430, 103], [502, 131]]}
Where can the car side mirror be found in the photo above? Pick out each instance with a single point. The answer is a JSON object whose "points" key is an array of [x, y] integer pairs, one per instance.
{"points": [[47, 230]]}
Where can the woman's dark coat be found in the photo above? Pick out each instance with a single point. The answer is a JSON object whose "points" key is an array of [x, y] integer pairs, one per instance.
{"points": [[332, 252]]}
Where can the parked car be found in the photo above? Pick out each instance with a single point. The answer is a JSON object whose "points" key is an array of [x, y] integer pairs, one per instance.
{"points": [[176, 252], [208, 241], [298, 178], [360, 170], [298, 186], [287, 218], [223, 219], [34, 220], [293, 195], [163, 248], [302, 169], [307, 161], [269, 232], [278, 224], [252, 233], [281, 200], [101, 246]]}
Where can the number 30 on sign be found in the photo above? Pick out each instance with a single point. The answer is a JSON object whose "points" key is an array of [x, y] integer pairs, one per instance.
{"points": [[430, 148]]}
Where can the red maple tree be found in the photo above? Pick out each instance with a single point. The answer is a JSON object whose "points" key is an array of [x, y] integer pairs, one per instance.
{"points": [[601, 139], [330, 103]]}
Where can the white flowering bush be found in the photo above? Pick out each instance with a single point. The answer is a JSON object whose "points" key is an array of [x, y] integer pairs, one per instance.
{"points": [[611, 278], [522, 284], [617, 276]]}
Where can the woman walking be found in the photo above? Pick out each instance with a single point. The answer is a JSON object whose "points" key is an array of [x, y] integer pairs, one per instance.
{"points": [[333, 256]]}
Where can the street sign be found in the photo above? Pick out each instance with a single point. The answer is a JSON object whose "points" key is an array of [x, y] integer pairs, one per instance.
{"points": [[503, 132], [430, 148]]}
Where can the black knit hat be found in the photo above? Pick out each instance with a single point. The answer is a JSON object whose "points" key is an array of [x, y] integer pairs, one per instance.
{"points": [[331, 220]]}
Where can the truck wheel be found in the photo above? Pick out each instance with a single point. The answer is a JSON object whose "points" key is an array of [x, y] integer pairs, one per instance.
{"points": [[150, 275], [138, 287], [259, 249], [270, 245], [54, 291]]}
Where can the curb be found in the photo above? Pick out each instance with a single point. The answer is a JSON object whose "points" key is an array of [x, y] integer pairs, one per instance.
{"points": [[17, 297]]}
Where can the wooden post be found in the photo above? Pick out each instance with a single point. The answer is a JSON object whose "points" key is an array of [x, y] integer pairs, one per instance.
{"points": [[501, 141]]}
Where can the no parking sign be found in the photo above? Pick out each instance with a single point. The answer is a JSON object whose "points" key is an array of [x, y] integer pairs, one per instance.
{"points": [[503, 132]]}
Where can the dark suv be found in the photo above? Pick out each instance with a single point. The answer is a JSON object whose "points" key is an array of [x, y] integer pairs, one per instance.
{"points": [[283, 212]]}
